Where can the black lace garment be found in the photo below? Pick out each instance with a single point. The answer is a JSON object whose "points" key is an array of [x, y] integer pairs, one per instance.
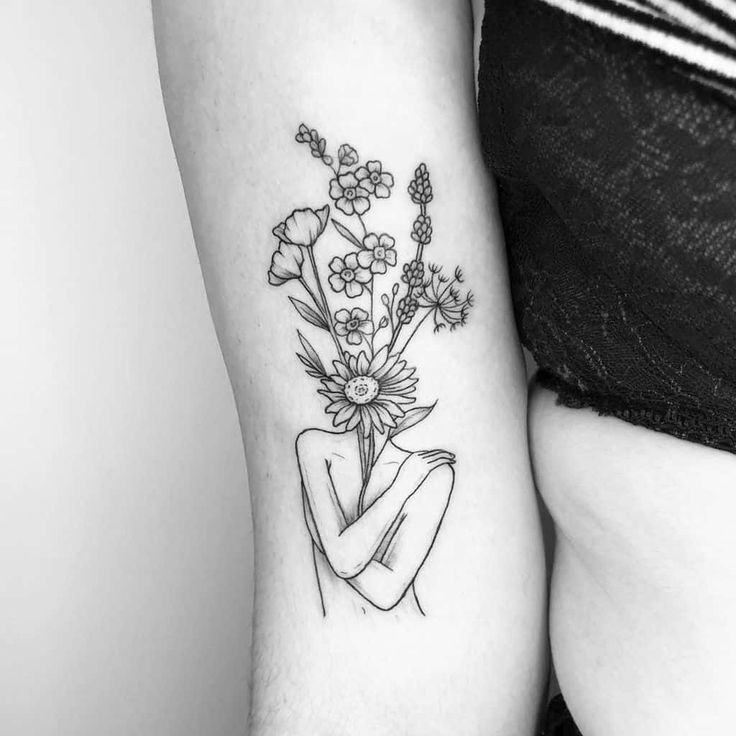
{"points": [[616, 170]]}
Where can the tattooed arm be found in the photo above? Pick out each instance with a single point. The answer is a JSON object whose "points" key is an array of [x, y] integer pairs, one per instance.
{"points": [[343, 216]]}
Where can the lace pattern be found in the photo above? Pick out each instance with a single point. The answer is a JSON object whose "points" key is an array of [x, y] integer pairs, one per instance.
{"points": [[616, 173]]}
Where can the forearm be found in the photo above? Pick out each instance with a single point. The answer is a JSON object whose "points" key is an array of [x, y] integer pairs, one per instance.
{"points": [[357, 543], [379, 584], [395, 80]]}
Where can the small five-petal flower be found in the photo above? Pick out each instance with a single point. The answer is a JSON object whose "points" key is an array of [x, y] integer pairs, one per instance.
{"points": [[353, 324], [374, 179], [378, 253], [348, 275], [349, 195]]}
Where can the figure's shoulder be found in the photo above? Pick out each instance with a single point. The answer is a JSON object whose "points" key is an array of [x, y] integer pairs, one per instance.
{"points": [[442, 478], [434, 494], [309, 440]]}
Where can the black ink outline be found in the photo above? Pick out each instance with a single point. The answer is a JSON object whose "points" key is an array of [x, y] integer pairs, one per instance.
{"points": [[368, 382]]}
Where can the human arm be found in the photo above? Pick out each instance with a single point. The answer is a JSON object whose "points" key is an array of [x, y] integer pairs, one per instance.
{"points": [[394, 79]]}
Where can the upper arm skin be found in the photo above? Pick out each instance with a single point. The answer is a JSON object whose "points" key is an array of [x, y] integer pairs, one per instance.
{"points": [[395, 79]]}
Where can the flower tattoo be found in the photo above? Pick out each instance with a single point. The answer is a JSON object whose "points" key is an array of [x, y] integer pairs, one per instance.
{"points": [[353, 325], [372, 178], [356, 352], [349, 195], [369, 393], [348, 275], [286, 264], [379, 253]]}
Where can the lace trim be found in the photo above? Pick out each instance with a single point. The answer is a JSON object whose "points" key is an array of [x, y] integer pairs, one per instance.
{"points": [[672, 419]]}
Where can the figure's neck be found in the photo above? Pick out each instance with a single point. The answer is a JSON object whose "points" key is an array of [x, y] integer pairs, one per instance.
{"points": [[380, 442]]}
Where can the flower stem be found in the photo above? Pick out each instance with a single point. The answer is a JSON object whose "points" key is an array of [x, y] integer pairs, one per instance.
{"points": [[368, 467], [325, 306], [316, 301], [362, 223], [373, 317], [414, 331]]}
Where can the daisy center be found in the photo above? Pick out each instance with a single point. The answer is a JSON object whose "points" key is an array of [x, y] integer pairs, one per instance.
{"points": [[361, 390]]}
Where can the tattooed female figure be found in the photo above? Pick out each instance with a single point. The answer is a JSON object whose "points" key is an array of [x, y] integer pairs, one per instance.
{"points": [[368, 562]]}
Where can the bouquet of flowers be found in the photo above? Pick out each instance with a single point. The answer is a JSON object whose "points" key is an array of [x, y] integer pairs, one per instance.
{"points": [[374, 307]]}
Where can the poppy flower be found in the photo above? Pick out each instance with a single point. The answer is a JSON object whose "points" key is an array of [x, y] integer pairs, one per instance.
{"points": [[303, 227], [286, 264]]}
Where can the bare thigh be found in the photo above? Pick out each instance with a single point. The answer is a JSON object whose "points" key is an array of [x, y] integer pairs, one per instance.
{"points": [[644, 586]]}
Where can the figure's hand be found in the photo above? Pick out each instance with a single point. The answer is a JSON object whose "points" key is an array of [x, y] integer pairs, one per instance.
{"points": [[419, 465]]}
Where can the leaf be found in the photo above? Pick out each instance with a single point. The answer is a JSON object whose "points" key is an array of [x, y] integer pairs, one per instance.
{"points": [[311, 315], [412, 417], [347, 234], [310, 369], [310, 358]]}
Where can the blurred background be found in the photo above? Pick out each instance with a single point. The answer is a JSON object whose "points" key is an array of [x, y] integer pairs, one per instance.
{"points": [[125, 546]]}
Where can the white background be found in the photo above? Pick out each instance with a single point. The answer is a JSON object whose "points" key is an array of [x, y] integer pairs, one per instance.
{"points": [[125, 547]]}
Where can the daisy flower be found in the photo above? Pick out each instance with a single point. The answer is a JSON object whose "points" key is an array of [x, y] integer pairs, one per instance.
{"points": [[374, 393]]}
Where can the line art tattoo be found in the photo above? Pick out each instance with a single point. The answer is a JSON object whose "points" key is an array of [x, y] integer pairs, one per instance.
{"points": [[373, 509]]}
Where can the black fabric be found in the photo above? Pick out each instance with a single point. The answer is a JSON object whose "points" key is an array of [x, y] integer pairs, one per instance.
{"points": [[616, 173], [558, 721]]}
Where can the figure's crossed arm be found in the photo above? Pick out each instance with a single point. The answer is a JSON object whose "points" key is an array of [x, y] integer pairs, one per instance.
{"points": [[384, 582], [349, 548]]}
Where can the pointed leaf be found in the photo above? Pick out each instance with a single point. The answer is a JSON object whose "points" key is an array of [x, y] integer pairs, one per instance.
{"points": [[311, 355], [310, 314], [412, 417], [310, 368], [345, 232]]}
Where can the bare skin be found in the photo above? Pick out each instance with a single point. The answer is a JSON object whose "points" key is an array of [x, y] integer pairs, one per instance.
{"points": [[369, 562], [644, 585]]}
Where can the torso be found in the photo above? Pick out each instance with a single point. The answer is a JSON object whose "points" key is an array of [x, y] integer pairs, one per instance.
{"points": [[644, 588], [622, 273], [338, 597]]}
